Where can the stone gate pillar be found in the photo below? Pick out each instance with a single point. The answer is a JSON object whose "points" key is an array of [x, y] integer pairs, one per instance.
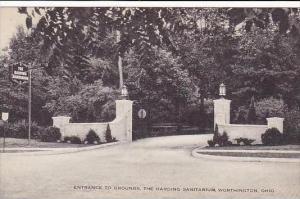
{"points": [[275, 122], [60, 122], [221, 111], [124, 110]]}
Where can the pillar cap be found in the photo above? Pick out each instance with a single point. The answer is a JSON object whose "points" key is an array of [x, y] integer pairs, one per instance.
{"points": [[275, 118], [222, 100], [61, 117]]}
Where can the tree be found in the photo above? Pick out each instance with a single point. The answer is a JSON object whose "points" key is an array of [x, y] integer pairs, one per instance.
{"points": [[158, 80], [108, 136], [286, 18], [69, 33], [14, 97], [251, 114], [266, 65], [207, 50], [91, 102]]}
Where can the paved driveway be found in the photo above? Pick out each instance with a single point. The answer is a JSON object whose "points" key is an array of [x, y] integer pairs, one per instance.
{"points": [[164, 163]]}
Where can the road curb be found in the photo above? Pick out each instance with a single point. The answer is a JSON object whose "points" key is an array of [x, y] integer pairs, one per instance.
{"points": [[241, 159], [56, 151]]}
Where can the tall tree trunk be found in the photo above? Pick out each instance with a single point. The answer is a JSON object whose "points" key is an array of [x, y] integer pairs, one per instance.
{"points": [[178, 116], [202, 115], [120, 67]]}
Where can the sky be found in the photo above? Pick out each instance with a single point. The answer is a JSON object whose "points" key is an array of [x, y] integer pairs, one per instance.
{"points": [[9, 20]]}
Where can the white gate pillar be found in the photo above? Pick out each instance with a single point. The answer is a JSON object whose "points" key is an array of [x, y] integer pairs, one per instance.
{"points": [[221, 111], [124, 109], [276, 122], [60, 122]]}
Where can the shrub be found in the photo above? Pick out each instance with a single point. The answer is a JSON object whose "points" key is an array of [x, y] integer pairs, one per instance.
{"points": [[216, 133], [92, 137], [108, 136], [211, 143], [246, 141], [75, 140], [251, 118], [72, 139], [51, 134], [291, 138], [224, 140], [272, 136], [221, 140], [67, 139], [19, 129], [292, 121]]}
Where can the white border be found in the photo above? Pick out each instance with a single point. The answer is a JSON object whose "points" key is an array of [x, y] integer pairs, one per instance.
{"points": [[151, 3]]}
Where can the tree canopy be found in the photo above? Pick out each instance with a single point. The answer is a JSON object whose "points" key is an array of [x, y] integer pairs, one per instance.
{"points": [[173, 60]]}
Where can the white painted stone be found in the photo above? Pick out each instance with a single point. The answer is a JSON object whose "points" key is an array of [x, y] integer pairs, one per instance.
{"points": [[121, 126], [221, 111], [276, 122], [243, 131], [60, 122], [124, 110]]}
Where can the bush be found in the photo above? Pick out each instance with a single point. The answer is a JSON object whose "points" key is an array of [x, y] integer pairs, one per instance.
{"points": [[291, 138], [224, 139], [272, 137], [75, 140], [246, 141], [19, 129], [108, 136], [221, 140], [67, 139], [72, 139], [92, 137], [292, 121], [50, 134], [211, 143]]}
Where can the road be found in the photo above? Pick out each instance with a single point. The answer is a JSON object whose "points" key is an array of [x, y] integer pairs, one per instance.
{"points": [[163, 163]]}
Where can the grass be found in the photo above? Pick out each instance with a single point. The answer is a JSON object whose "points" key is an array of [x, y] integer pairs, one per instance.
{"points": [[19, 151], [257, 147], [23, 143], [262, 155]]}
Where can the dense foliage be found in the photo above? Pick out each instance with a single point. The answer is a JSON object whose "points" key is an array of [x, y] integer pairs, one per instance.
{"points": [[92, 137], [50, 134], [271, 137], [173, 62]]}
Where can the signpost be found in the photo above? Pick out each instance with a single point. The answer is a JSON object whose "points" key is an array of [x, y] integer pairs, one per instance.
{"points": [[4, 118], [142, 113], [19, 73]]}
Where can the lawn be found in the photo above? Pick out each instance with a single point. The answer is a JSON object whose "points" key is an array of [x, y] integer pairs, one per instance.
{"points": [[229, 151], [257, 147], [23, 143], [245, 154]]}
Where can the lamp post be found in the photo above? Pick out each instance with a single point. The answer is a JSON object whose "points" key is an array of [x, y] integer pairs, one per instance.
{"points": [[4, 118], [124, 92], [222, 90]]}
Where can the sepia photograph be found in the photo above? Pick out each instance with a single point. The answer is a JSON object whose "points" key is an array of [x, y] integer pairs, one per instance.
{"points": [[149, 100]]}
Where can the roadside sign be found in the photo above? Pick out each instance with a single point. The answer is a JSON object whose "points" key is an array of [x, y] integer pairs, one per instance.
{"points": [[4, 116], [142, 113], [19, 73]]}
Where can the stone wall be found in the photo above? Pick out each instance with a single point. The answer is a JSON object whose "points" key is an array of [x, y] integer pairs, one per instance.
{"points": [[222, 118], [243, 130], [121, 127], [81, 129]]}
